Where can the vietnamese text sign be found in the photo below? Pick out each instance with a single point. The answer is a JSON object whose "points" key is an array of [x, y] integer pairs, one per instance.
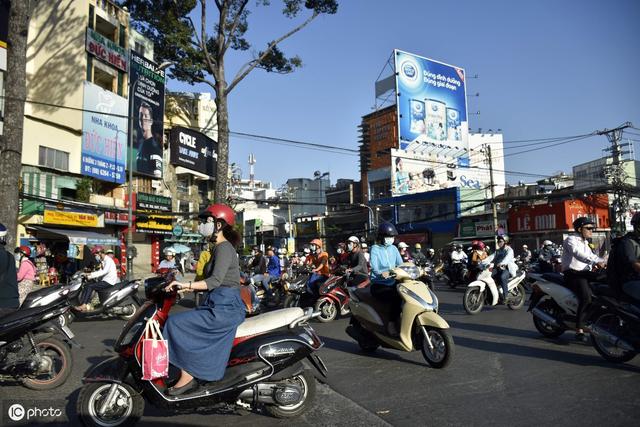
{"points": [[432, 106], [106, 50], [160, 224], [153, 202], [194, 150], [104, 134], [147, 83], [70, 218]]}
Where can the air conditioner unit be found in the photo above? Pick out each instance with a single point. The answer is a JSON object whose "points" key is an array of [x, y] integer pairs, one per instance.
{"points": [[156, 183]]}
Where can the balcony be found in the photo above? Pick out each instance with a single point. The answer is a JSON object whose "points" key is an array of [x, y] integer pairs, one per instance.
{"points": [[99, 200]]}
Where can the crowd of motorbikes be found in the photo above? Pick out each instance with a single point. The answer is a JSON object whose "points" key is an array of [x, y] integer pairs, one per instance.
{"points": [[273, 354]]}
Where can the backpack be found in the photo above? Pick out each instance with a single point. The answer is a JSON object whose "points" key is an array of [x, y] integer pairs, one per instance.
{"points": [[617, 271]]}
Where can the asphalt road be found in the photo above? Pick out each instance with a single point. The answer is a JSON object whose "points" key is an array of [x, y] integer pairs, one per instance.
{"points": [[503, 373]]}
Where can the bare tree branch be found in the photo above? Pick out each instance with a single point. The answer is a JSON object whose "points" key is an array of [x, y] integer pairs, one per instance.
{"points": [[195, 33], [248, 67], [236, 21], [203, 37], [219, 5]]}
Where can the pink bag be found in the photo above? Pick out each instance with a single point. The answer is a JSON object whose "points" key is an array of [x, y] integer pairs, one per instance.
{"points": [[155, 352]]}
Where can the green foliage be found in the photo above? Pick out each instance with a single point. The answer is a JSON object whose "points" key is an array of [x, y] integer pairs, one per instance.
{"points": [[84, 188]]}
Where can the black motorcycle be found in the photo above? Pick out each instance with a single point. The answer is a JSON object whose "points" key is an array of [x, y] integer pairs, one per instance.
{"points": [[268, 367], [456, 274], [295, 289], [31, 350]]}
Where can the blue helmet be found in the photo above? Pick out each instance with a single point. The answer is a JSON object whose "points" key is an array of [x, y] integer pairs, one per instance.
{"points": [[387, 229]]}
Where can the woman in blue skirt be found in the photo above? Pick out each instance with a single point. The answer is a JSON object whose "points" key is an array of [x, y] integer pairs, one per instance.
{"points": [[200, 340]]}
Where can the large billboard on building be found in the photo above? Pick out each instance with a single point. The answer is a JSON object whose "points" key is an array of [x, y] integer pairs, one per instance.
{"points": [[194, 150], [147, 83], [104, 134], [432, 106]]}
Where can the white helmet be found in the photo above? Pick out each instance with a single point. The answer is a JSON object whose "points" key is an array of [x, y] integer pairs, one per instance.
{"points": [[354, 239], [364, 246], [547, 243], [170, 251], [403, 245], [432, 251]]}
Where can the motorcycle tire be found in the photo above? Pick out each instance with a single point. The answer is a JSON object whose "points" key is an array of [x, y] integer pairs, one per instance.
{"points": [[56, 351], [601, 345], [134, 306], [91, 396], [473, 300], [520, 303], [308, 383], [544, 328], [443, 347], [291, 300], [328, 310]]}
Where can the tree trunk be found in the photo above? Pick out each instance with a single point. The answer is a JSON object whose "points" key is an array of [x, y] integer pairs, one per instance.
{"points": [[11, 141], [223, 136]]}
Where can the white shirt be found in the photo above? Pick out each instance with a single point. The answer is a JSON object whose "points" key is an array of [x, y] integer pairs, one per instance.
{"points": [[458, 256], [108, 272], [165, 263], [577, 255]]}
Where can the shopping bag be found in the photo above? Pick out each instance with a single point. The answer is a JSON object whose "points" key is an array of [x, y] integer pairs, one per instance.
{"points": [[155, 352]]}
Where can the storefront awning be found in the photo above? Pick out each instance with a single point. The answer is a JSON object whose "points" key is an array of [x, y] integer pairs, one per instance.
{"points": [[78, 237]]}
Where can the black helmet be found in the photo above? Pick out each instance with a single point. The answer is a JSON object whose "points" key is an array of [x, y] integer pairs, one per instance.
{"points": [[635, 219], [582, 221], [387, 229]]}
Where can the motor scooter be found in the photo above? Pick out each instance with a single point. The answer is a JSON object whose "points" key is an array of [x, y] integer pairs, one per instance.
{"points": [[269, 366], [484, 290], [334, 297], [421, 327]]}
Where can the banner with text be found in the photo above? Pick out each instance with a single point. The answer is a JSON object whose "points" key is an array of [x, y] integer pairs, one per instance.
{"points": [[106, 50], [194, 150], [104, 134], [147, 97], [432, 107]]}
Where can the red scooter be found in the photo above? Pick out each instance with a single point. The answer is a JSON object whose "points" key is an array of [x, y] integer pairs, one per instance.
{"points": [[268, 367], [334, 297]]}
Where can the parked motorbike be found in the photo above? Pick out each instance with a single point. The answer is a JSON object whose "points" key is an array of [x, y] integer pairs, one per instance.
{"points": [[484, 290], [30, 350], [615, 330], [268, 367], [554, 306], [421, 327]]}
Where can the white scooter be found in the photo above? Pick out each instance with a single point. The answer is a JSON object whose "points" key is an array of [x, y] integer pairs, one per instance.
{"points": [[484, 290]]}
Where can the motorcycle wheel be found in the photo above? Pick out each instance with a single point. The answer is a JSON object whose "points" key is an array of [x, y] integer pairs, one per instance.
{"points": [[134, 307], [328, 310], [519, 297], [130, 406], [291, 300], [307, 382], [473, 300], [612, 324], [442, 353], [544, 328], [56, 354]]}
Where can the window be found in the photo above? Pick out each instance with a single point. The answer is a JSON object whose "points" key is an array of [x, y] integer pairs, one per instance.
{"points": [[139, 48], [54, 159], [103, 79], [183, 184], [203, 191]]}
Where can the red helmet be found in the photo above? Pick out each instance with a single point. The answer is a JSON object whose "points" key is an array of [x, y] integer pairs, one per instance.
{"points": [[25, 250], [477, 244], [97, 249], [220, 211]]}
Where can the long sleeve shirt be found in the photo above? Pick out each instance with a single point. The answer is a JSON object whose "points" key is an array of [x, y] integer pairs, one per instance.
{"points": [[108, 272], [27, 270], [226, 267], [577, 255], [384, 259], [358, 263], [273, 267]]}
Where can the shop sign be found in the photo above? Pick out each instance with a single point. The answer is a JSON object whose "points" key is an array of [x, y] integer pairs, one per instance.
{"points": [[157, 224], [194, 150], [485, 228], [152, 202], [115, 218], [467, 230], [79, 219], [106, 50]]}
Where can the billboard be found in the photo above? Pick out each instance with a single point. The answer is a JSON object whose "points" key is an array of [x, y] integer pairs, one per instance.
{"points": [[106, 50], [432, 106], [416, 173], [147, 96], [104, 134], [194, 150]]}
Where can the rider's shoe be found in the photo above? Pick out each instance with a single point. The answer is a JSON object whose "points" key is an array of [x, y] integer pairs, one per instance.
{"points": [[178, 391]]}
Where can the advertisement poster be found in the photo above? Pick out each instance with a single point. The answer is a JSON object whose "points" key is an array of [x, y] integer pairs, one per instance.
{"points": [[415, 173], [106, 50], [432, 106], [104, 134], [147, 83], [194, 150]]}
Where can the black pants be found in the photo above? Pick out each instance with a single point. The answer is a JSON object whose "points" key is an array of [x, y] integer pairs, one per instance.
{"points": [[4, 311], [578, 282], [390, 297], [97, 286]]}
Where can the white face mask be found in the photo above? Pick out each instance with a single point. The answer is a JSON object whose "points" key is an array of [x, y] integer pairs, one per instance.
{"points": [[313, 248], [388, 241], [339, 250], [207, 228], [350, 247]]}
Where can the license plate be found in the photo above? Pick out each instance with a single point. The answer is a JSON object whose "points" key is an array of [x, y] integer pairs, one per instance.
{"points": [[67, 331]]}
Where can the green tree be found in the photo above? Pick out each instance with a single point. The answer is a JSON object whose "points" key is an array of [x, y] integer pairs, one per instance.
{"points": [[200, 52], [84, 188]]}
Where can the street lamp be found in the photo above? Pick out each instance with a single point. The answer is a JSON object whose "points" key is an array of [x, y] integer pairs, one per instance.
{"points": [[371, 216], [132, 89]]}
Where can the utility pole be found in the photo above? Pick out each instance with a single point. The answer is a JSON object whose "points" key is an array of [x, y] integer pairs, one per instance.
{"points": [[618, 177], [486, 149]]}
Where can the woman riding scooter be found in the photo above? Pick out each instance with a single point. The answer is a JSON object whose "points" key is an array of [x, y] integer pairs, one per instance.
{"points": [[384, 258], [200, 340]]}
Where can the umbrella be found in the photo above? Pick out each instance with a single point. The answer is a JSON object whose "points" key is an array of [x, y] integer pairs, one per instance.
{"points": [[180, 249]]}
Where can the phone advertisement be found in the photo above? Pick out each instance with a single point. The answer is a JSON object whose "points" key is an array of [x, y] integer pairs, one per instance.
{"points": [[432, 106]]}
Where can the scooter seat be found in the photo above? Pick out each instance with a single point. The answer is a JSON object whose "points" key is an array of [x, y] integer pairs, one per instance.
{"points": [[554, 277], [268, 321], [20, 314]]}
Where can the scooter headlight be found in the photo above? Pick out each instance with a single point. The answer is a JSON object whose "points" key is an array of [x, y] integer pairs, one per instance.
{"points": [[426, 305]]}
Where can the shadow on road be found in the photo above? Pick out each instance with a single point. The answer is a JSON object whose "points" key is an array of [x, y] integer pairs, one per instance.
{"points": [[492, 329], [352, 347], [540, 353]]}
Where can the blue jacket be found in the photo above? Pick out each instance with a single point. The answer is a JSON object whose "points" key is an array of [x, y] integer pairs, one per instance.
{"points": [[383, 258], [273, 267]]}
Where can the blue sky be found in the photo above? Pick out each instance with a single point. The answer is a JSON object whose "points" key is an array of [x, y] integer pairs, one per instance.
{"points": [[545, 69]]}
